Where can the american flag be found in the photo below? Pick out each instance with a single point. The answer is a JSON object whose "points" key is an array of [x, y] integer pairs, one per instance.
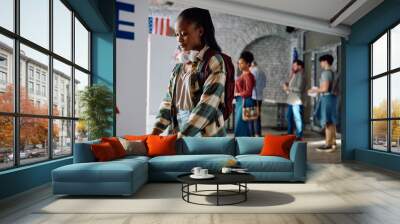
{"points": [[159, 25]]}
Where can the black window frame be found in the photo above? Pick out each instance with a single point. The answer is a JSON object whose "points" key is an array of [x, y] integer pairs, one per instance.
{"points": [[16, 115], [388, 74]]}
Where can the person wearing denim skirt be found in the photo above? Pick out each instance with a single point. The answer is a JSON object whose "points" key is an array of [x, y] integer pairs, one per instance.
{"points": [[326, 109], [244, 86]]}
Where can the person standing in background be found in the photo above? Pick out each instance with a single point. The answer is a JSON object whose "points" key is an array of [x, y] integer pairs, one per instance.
{"points": [[295, 89], [243, 92], [257, 95], [326, 111]]}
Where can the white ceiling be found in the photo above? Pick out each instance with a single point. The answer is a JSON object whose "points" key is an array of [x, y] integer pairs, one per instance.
{"points": [[314, 15], [320, 9]]}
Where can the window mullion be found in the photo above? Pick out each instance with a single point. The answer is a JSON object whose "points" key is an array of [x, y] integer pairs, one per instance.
{"points": [[16, 84], [389, 113], [371, 143], [50, 81], [73, 81]]}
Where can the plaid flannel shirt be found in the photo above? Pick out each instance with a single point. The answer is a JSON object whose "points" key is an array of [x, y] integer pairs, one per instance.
{"points": [[205, 117]]}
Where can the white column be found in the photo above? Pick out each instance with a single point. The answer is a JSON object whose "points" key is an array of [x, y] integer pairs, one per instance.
{"points": [[131, 65]]}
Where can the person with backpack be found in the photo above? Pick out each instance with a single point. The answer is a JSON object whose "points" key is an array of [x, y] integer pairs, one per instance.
{"points": [[261, 82], [326, 111], [244, 86], [200, 92]]}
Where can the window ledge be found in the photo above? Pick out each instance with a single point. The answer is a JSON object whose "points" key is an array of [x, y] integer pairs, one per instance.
{"points": [[385, 160], [378, 151], [17, 169]]}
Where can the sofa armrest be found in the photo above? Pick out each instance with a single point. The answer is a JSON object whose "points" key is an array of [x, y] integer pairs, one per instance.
{"points": [[298, 155], [83, 152]]}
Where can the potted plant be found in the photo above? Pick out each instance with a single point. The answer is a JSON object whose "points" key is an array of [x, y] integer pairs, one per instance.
{"points": [[96, 103]]}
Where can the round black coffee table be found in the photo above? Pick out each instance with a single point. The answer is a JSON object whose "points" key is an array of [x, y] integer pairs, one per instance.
{"points": [[238, 179]]}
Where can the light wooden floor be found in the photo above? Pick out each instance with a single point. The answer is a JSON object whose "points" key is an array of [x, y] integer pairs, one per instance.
{"points": [[379, 190]]}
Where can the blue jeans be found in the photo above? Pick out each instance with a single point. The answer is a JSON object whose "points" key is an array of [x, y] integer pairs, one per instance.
{"points": [[294, 116], [183, 116]]}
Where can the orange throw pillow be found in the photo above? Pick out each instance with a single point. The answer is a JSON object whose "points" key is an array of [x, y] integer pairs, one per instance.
{"points": [[277, 145], [103, 152], [116, 145], [161, 145], [136, 137]]}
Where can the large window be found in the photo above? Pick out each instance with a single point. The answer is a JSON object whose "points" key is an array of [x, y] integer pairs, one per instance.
{"points": [[385, 94], [44, 64]]}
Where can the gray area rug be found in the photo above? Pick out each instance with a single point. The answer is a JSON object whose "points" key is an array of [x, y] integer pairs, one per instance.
{"points": [[166, 198]]}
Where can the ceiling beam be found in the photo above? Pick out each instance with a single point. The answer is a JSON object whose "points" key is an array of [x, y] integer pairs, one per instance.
{"points": [[269, 15], [346, 12]]}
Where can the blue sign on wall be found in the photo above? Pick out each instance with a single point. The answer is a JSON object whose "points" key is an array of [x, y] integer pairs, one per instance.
{"points": [[122, 6]]}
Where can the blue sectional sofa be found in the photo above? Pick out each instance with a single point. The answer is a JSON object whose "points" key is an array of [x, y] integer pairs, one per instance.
{"points": [[125, 176]]}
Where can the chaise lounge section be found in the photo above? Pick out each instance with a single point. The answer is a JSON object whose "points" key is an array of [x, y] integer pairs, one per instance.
{"points": [[125, 176]]}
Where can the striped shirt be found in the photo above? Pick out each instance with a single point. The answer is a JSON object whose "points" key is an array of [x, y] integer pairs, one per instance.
{"points": [[206, 117]]}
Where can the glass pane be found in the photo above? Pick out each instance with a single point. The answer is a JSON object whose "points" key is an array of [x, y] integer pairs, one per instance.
{"points": [[379, 97], [6, 142], [395, 136], [62, 89], [81, 45], [395, 94], [379, 55], [62, 138], [7, 14], [6, 74], [33, 139], [62, 29], [395, 47], [81, 131], [379, 135], [35, 21], [81, 81], [34, 72]]}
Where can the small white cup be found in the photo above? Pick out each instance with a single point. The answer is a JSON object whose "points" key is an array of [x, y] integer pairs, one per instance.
{"points": [[196, 171], [203, 172], [226, 170]]}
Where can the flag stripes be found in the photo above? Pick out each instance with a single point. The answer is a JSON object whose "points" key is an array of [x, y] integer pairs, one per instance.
{"points": [[159, 25]]}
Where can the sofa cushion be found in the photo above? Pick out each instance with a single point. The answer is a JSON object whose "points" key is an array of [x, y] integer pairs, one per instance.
{"points": [[132, 158], [185, 163], [161, 145], [103, 152], [257, 163], [277, 145], [134, 147], [206, 145], [111, 171], [136, 137], [116, 145], [249, 145]]}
